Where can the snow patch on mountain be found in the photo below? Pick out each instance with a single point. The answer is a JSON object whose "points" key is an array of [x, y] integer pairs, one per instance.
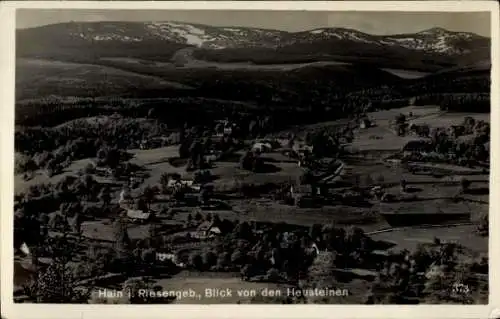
{"points": [[326, 32], [435, 40], [188, 33]]}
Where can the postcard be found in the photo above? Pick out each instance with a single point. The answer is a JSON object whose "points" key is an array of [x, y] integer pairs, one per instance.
{"points": [[269, 159]]}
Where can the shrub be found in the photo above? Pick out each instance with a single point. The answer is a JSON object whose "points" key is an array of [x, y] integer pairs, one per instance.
{"points": [[196, 261]]}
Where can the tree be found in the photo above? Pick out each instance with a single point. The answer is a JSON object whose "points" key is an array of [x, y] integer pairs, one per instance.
{"points": [[196, 261], [483, 226], [380, 179], [246, 271], [273, 274], [105, 196], [253, 128], [209, 259], [55, 284], [464, 185], [216, 219], [149, 195], [306, 177], [120, 236], [400, 119], [403, 184], [246, 160], [75, 223], [315, 231], [196, 153], [469, 124], [237, 258], [87, 187], [184, 148], [164, 180], [204, 195], [368, 180], [198, 217], [151, 113]]}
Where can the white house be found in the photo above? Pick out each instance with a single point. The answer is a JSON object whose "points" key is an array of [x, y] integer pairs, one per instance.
{"points": [[25, 249], [210, 158], [262, 147], [138, 215]]}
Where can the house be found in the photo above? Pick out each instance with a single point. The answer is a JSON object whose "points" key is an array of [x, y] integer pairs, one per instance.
{"points": [[25, 249], [434, 272], [228, 130], [207, 230], [313, 249], [302, 149], [135, 180], [262, 147], [104, 171], [456, 130], [417, 146], [365, 123], [300, 189], [394, 161], [138, 215], [174, 183], [210, 158], [115, 116]]}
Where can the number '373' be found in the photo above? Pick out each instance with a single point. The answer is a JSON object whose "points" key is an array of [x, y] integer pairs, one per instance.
{"points": [[460, 288]]}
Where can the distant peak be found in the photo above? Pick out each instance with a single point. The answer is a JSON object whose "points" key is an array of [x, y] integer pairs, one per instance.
{"points": [[435, 30]]}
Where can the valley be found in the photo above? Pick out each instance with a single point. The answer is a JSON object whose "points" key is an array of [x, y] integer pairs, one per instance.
{"points": [[163, 156]]}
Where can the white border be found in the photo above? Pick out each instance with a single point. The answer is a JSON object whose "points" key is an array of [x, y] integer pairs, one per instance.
{"points": [[7, 63]]}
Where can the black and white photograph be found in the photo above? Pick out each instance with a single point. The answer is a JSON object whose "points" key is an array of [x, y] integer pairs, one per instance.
{"points": [[251, 157]]}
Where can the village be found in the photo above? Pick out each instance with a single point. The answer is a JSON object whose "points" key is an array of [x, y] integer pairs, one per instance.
{"points": [[313, 206]]}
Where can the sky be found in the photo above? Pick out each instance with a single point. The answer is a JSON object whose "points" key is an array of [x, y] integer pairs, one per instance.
{"points": [[369, 22]]}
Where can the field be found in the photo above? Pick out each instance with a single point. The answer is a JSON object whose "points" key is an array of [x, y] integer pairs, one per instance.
{"points": [[411, 238]]}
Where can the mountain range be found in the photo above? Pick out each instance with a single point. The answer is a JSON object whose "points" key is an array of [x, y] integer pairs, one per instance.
{"points": [[191, 68], [430, 49]]}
